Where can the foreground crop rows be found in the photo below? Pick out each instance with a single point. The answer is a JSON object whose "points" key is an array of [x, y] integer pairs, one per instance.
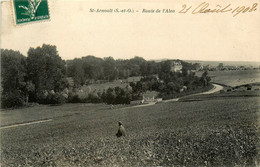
{"points": [[220, 132]]}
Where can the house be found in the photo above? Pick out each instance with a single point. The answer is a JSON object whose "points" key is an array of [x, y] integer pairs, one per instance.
{"points": [[133, 79], [229, 67], [176, 66], [137, 102], [183, 89], [198, 67], [148, 99]]}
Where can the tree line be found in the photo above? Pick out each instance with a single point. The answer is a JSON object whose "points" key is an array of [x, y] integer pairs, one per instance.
{"points": [[41, 76], [86, 69], [30, 78]]}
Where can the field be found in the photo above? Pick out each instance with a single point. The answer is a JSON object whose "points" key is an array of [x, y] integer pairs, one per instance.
{"points": [[122, 83], [254, 64], [104, 86], [211, 131], [234, 77]]}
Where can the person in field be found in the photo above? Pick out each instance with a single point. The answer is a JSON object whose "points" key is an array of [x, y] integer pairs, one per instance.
{"points": [[121, 130]]}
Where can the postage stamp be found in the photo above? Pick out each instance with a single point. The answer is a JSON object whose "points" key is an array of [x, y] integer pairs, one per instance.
{"points": [[26, 11]]}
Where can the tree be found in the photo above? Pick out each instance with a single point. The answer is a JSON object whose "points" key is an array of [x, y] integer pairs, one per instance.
{"points": [[134, 65], [184, 72], [165, 66], [45, 69], [220, 66], [110, 96], [109, 68], [123, 71], [152, 68], [205, 79], [197, 66], [144, 69], [28, 88], [12, 78], [76, 71], [93, 67]]}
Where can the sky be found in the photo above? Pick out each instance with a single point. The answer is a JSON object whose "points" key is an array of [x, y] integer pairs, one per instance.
{"points": [[77, 32]]}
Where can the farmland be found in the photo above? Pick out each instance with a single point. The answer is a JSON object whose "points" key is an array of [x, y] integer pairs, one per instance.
{"points": [[234, 77], [214, 131], [104, 86]]}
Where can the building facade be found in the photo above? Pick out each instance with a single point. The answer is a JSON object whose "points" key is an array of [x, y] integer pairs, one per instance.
{"points": [[176, 66]]}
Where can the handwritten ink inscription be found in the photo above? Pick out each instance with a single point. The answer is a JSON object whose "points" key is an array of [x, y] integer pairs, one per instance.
{"points": [[205, 8], [201, 8]]}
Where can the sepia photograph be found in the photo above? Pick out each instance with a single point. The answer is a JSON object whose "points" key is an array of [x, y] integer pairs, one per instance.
{"points": [[130, 83]]}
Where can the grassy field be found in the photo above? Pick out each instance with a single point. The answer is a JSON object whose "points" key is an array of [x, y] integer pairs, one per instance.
{"points": [[210, 132], [122, 83], [234, 77], [104, 86]]}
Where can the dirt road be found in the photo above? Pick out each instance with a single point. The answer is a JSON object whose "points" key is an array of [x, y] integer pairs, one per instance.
{"points": [[215, 89]]}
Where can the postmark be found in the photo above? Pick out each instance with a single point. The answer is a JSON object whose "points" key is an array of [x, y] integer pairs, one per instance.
{"points": [[26, 11]]}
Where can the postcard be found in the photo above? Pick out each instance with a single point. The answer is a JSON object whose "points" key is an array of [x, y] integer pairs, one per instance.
{"points": [[130, 83]]}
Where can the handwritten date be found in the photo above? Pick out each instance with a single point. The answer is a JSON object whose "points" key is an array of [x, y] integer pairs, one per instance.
{"points": [[205, 8]]}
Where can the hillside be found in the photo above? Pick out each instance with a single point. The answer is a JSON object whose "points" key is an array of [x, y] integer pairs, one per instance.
{"points": [[209, 132]]}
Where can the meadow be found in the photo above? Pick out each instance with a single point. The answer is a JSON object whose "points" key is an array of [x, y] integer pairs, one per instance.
{"points": [[212, 131], [103, 86]]}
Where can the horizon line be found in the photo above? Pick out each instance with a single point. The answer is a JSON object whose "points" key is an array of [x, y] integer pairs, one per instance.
{"points": [[161, 59]]}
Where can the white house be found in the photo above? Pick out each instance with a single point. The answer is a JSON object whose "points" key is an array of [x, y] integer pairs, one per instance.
{"points": [[176, 66]]}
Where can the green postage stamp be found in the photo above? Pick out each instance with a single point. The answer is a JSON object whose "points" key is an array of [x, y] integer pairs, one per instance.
{"points": [[26, 11]]}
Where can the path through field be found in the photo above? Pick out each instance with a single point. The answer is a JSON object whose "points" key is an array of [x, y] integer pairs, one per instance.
{"points": [[215, 89]]}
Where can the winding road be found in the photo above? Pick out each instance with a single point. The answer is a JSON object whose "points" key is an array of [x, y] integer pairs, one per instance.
{"points": [[216, 88]]}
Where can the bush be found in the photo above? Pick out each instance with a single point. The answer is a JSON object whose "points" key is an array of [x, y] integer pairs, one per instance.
{"points": [[12, 99], [93, 98], [74, 98], [56, 98]]}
